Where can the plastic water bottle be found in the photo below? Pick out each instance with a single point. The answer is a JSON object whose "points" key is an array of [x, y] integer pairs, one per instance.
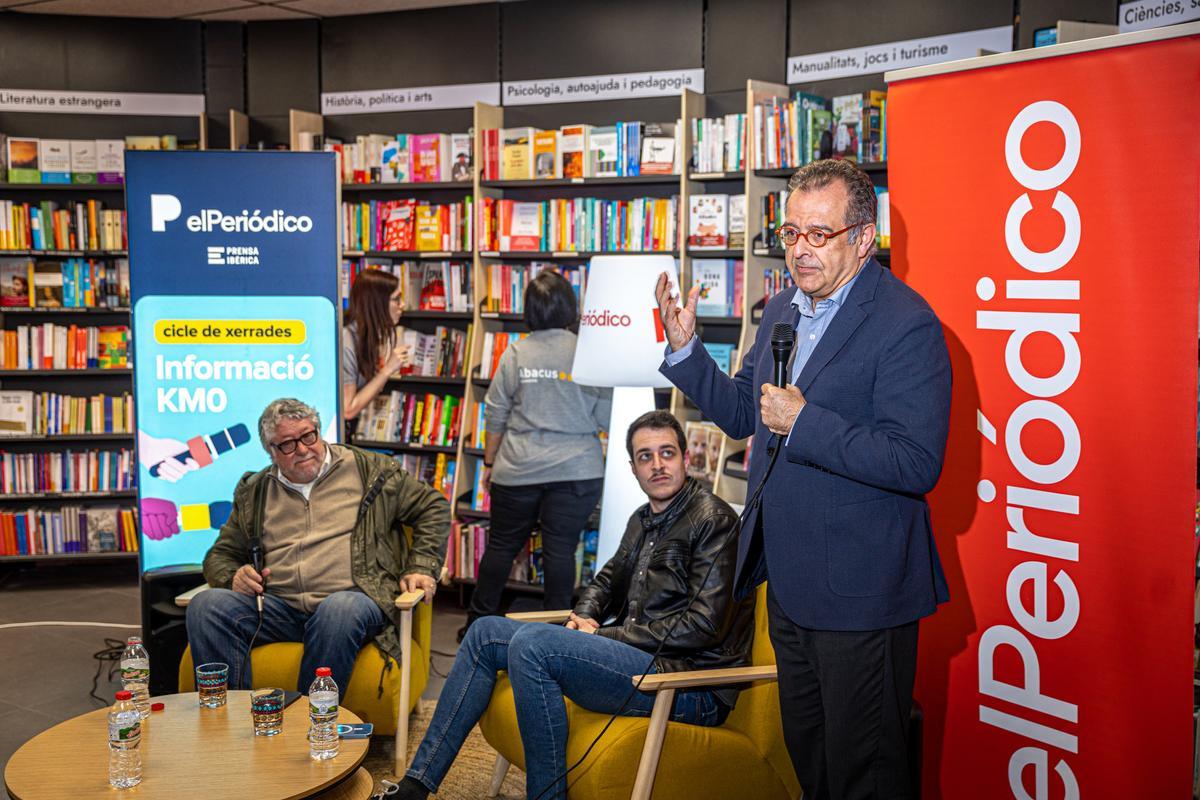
{"points": [[124, 735], [135, 674], [323, 739]]}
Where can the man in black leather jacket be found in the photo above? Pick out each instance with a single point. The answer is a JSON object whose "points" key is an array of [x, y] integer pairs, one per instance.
{"points": [[681, 545]]}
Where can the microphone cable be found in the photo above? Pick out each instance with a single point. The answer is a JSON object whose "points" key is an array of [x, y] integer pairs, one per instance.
{"points": [[754, 501]]}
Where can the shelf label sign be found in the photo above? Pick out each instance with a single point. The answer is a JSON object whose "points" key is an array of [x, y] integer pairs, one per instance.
{"points": [[1143, 14], [898, 55], [620, 86], [233, 272], [415, 98], [46, 101]]}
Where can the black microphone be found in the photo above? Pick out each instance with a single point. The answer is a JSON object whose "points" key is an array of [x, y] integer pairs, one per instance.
{"points": [[256, 561], [783, 339]]}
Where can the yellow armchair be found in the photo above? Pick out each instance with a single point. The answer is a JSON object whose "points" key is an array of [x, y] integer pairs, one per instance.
{"points": [[377, 682], [744, 757]]}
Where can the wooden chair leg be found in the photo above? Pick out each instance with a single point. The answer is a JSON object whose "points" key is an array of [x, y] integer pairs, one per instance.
{"points": [[498, 773], [648, 765], [405, 688]]}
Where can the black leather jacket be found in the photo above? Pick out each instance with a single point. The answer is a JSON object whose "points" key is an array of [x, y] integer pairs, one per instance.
{"points": [[658, 566]]}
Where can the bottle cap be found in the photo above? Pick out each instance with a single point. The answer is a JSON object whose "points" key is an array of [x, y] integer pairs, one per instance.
{"points": [[124, 695], [157, 706], [134, 640], [324, 672]]}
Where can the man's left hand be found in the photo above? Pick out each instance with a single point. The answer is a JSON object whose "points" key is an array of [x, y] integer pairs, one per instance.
{"points": [[415, 581], [779, 407]]}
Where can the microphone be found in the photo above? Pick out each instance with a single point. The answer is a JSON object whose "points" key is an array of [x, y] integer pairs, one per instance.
{"points": [[783, 338], [206, 449], [256, 561]]}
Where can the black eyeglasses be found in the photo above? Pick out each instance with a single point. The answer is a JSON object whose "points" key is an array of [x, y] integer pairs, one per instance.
{"points": [[288, 446], [790, 234]]}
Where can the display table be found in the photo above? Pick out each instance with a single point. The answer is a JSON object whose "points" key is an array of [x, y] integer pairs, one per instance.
{"points": [[191, 752]]}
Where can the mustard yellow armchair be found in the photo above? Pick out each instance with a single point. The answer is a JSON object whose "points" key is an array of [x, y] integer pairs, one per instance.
{"points": [[744, 757], [377, 682]]}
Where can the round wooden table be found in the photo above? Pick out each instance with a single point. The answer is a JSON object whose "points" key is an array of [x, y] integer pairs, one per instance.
{"points": [[191, 752]]}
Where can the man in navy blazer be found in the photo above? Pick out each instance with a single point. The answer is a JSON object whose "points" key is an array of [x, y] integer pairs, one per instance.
{"points": [[842, 527]]}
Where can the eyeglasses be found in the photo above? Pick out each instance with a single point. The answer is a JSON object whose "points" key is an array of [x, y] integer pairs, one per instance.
{"points": [[288, 446], [790, 234]]}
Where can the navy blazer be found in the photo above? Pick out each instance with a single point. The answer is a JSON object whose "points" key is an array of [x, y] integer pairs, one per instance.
{"points": [[844, 525]]}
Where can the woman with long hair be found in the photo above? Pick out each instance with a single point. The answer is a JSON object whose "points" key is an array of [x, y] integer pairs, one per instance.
{"points": [[370, 353], [543, 463]]}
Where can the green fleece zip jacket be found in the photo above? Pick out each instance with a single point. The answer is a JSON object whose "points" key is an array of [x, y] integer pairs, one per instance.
{"points": [[381, 549]]}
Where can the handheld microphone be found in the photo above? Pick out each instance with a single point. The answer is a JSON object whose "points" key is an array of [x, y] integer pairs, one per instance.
{"points": [[783, 339], [256, 561], [207, 449]]}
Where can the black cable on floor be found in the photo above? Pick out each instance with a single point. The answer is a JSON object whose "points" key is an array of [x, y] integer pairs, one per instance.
{"points": [[114, 649]]}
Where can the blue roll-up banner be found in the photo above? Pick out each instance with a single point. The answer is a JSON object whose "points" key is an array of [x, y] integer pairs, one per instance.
{"points": [[233, 270]]}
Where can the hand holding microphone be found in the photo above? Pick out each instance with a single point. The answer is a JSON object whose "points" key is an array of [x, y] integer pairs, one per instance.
{"points": [[254, 574], [780, 404]]}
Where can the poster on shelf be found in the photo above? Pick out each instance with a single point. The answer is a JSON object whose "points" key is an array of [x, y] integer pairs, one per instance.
{"points": [[233, 274], [1063, 267]]}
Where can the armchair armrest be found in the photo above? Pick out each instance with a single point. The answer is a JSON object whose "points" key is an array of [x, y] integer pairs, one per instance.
{"points": [[409, 600], [559, 615], [706, 677], [185, 598]]}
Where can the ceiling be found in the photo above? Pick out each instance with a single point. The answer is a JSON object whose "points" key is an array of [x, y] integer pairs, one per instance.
{"points": [[231, 10]]}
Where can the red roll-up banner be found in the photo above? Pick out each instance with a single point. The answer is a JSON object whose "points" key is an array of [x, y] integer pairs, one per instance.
{"points": [[1048, 210]]}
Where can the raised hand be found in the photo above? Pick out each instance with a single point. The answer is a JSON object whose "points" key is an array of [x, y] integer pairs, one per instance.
{"points": [[679, 322]]}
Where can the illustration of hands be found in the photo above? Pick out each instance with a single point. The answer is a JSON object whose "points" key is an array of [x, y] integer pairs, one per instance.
{"points": [[162, 519], [171, 459]]}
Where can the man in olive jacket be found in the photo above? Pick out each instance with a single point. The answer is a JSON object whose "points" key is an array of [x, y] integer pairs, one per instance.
{"points": [[330, 522]]}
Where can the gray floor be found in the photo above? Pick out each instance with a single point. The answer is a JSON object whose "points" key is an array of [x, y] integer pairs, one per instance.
{"points": [[58, 660]]}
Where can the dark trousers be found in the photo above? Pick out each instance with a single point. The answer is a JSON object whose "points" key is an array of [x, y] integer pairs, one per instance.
{"points": [[845, 698], [560, 509]]}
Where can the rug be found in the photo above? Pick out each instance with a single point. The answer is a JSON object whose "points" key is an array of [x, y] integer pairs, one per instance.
{"points": [[468, 778]]}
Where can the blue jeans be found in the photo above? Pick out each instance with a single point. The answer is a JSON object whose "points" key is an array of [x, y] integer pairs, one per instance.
{"points": [[544, 663], [220, 623]]}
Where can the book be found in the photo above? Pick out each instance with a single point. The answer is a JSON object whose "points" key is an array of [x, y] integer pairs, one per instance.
{"points": [[658, 149], [602, 152], [23, 160], [101, 529], [574, 145], [516, 163], [722, 354], [395, 161], [847, 131], [144, 143], [83, 161], [522, 230], [737, 221], [429, 227], [425, 157], [545, 155], [110, 161], [698, 446], [461, 160], [715, 280], [16, 413], [820, 133], [47, 284], [708, 222], [399, 227], [15, 278]]}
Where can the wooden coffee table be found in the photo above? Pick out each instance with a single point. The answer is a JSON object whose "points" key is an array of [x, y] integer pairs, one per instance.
{"points": [[191, 752]]}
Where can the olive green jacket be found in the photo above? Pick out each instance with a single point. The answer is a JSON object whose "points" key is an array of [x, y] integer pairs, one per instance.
{"points": [[380, 550]]}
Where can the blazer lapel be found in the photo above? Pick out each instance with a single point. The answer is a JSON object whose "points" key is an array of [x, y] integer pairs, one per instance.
{"points": [[848, 318]]}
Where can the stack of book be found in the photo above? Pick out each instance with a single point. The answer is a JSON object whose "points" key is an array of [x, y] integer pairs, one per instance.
{"points": [[771, 212], [70, 283], [26, 413], [83, 225], [703, 451], [425, 285], [504, 291], [68, 529], [722, 286], [478, 436], [405, 158], [50, 346], [793, 133], [776, 280], [68, 471], [580, 151], [412, 418], [579, 224], [433, 470], [716, 221], [719, 145], [437, 354], [407, 225], [494, 345], [80, 161]]}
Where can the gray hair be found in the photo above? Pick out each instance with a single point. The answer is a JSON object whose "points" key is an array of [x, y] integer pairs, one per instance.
{"points": [[281, 409], [862, 206]]}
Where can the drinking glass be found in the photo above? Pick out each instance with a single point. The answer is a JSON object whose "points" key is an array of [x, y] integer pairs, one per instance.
{"points": [[212, 682], [266, 708]]}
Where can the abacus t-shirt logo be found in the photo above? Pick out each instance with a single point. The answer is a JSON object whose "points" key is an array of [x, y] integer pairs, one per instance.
{"points": [[535, 374]]}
